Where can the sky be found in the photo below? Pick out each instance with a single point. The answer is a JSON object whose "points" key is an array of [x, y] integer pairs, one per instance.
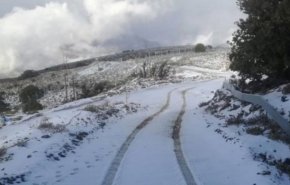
{"points": [[35, 34]]}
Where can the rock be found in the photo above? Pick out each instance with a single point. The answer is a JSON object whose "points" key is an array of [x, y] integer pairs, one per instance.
{"points": [[45, 136]]}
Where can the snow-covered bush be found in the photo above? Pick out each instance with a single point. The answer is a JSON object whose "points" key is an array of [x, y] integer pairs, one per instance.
{"points": [[47, 126]]}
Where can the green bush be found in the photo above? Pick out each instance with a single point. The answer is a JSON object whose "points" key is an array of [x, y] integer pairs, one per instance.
{"points": [[255, 131], [157, 71], [3, 106], [29, 96], [97, 88], [30, 93], [31, 107], [199, 48]]}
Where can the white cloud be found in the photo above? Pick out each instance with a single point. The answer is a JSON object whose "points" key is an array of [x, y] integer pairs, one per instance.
{"points": [[205, 39], [34, 38]]}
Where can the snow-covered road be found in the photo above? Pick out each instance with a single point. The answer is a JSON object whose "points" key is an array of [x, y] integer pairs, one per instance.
{"points": [[168, 143]]}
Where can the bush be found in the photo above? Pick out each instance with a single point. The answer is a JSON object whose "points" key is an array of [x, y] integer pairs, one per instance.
{"points": [[286, 89], [235, 120], [157, 71], [29, 96], [96, 89], [199, 48], [3, 106], [28, 74], [91, 108], [30, 93], [255, 131], [47, 126], [3, 151], [31, 107]]}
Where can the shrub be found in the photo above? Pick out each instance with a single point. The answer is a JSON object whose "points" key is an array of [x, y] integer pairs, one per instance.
{"points": [[30, 93], [255, 131], [3, 151], [29, 96], [28, 74], [47, 126], [235, 120], [96, 89], [199, 48], [31, 107], [157, 71], [3, 106], [286, 89], [91, 108], [163, 70]]}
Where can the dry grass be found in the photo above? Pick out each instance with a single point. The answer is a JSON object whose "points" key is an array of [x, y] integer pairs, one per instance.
{"points": [[47, 126]]}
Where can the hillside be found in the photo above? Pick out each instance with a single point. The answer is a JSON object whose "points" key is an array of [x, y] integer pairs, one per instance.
{"points": [[143, 129]]}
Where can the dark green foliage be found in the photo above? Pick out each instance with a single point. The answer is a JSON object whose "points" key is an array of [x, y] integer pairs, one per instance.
{"points": [[3, 106], [32, 106], [163, 70], [158, 71], [97, 88], [261, 45], [28, 74], [29, 96], [199, 48], [286, 89], [30, 93], [255, 131]]}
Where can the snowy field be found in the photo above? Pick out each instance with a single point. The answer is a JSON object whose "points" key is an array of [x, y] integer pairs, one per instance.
{"points": [[132, 138]]}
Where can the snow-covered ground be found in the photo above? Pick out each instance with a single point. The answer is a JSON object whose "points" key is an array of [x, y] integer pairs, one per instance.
{"points": [[104, 140], [83, 151], [115, 72]]}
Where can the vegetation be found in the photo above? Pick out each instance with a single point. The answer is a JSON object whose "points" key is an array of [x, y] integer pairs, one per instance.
{"points": [[3, 151], [156, 71], [28, 74], [200, 48], [3, 106], [261, 45], [286, 89], [97, 88], [47, 126], [29, 96]]}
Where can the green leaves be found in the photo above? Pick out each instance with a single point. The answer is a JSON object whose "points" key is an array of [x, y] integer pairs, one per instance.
{"points": [[261, 45]]}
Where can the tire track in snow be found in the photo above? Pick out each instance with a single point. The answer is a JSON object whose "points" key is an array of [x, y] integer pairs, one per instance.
{"points": [[177, 144], [113, 169]]}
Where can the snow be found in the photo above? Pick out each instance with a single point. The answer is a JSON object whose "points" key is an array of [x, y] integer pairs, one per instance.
{"points": [[274, 98], [83, 152]]}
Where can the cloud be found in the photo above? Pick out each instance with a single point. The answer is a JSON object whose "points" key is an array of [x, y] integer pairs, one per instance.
{"points": [[35, 38]]}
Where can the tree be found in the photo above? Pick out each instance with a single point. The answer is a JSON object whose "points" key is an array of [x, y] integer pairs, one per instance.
{"points": [[199, 48], [261, 45], [29, 96]]}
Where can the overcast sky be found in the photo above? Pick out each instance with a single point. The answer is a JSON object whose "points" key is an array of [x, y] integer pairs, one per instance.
{"points": [[34, 33]]}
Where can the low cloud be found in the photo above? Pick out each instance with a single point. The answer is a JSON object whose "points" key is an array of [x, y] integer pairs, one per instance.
{"points": [[35, 38]]}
